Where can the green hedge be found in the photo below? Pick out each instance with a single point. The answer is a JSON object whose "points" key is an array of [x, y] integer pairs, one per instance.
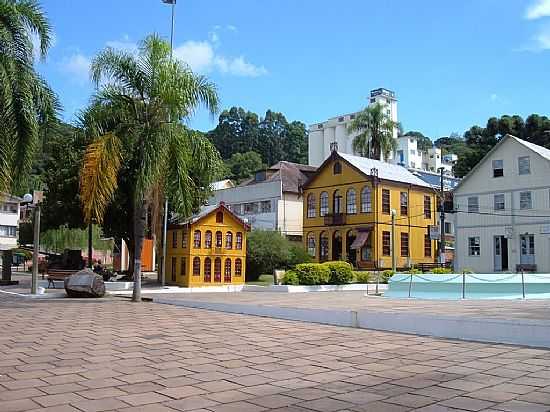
{"points": [[362, 277], [441, 271], [312, 274], [335, 273], [340, 272], [290, 278]]}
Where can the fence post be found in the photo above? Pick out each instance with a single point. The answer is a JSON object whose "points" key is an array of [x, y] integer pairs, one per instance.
{"points": [[377, 282], [522, 284], [410, 284], [463, 285]]}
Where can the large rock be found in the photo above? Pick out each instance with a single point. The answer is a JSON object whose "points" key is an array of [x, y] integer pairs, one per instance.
{"points": [[85, 284]]}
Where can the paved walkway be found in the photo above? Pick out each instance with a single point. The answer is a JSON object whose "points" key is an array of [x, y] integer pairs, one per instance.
{"points": [[98, 355]]}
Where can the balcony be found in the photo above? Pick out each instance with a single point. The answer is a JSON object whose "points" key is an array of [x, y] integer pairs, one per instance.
{"points": [[337, 219]]}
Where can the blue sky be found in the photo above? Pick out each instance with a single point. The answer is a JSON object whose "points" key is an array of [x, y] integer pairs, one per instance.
{"points": [[452, 63]]}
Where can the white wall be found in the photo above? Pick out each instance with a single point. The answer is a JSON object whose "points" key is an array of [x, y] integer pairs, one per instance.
{"points": [[11, 219], [290, 214]]}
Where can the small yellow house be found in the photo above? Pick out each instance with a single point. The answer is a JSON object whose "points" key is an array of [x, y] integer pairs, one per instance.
{"points": [[209, 249], [347, 213]]}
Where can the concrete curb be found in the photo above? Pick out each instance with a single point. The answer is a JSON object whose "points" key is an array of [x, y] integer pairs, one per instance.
{"points": [[535, 333]]}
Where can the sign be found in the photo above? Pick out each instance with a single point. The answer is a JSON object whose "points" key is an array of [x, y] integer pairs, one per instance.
{"points": [[434, 232]]}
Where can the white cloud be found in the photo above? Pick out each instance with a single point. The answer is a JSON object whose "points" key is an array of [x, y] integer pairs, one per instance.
{"points": [[238, 66], [539, 42], [493, 97], [123, 44], [230, 27], [77, 66], [538, 9]]}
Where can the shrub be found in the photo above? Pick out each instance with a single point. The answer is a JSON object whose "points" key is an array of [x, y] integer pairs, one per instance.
{"points": [[414, 271], [312, 274], [297, 255], [441, 271], [290, 278], [362, 277], [386, 275], [340, 272]]}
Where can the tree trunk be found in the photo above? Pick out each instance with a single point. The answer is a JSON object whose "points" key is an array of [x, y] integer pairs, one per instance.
{"points": [[140, 217], [7, 258]]}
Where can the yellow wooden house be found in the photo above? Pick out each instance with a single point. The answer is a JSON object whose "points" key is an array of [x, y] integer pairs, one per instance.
{"points": [[208, 249], [347, 213]]}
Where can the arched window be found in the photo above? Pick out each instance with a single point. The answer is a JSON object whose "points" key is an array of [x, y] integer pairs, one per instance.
{"points": [[337, 202], [219, 217], [219, 237], [208, 239], [207, 270], [323, 204], [227, 271], [351, 202], [366, 200], [239, 241], [184, 239], [217, 270], [311, 210], [229, 240], [197, 239], [323, 246], [337, 168], [238, 267], [196, 266], [311, 244]]}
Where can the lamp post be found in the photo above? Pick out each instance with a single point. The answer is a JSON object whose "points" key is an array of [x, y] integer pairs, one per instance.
{"points": [[34, 199], [442, 221]]}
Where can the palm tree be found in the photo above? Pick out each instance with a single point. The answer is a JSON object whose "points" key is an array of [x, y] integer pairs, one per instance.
{"points": [[135, 120], [26, 101], [375, 133]]}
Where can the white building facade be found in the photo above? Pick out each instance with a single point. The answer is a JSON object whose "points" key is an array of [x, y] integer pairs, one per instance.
{"points": [[9, 221], [502, 210]]}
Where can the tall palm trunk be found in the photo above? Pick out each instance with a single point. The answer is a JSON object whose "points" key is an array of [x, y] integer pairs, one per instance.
{"points": [[140, 220]]}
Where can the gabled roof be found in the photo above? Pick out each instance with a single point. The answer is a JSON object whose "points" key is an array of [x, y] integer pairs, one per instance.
{"points": [[291, 175], [208, 210], [541, 151]]}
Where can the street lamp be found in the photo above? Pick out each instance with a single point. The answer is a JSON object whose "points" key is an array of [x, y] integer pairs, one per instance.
{"points": [[35, 200]]}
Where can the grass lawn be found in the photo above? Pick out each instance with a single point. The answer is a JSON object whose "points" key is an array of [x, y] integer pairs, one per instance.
{"points": [[264, 280]]}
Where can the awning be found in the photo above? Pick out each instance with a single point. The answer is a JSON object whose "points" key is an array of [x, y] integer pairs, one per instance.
{"points": [[360, 240]]}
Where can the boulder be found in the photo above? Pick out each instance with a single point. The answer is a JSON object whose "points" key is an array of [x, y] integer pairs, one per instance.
{"points": [[85, 284]]}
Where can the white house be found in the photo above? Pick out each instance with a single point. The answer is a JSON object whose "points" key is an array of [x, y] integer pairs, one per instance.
{"points": [[271, 200], [9, 221], [502, 210]]}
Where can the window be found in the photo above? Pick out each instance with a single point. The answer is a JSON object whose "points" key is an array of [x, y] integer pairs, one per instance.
{"points": [[413, 152], [337, 168], [323, 246], [473, 246], [173, 269], [499, 201], [427, 207], [219, 237], [174, 239], [196, 266], [219, 217], [337, 202], [184, 239], [386, 201], [265, 206], [208, 270], [386, 244], [227, 271], [525, 200], [9, 207], [311, 244], [427, 246], [448, 228], [404, 244], [229, 240], [238, 267], [351, 202], [527, 243], [182, 267], [208, 239], [473, 204], [366, 200], [498, 168], [323, 204], [239, 241], [413, 165], [311, 210], [524, 165], [404, 203], [197, 239], [217, 270], [8, 231]]}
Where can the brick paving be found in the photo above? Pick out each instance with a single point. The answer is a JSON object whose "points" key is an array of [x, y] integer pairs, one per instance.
{"points": [[102, 355]]}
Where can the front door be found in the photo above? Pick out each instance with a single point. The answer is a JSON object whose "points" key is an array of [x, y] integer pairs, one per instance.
{"points": [[501, 253]]}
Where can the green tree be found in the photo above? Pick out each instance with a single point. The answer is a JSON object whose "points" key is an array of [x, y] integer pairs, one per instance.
{"points": [[243, 165], [26, 101], [296, 144], [236, 132], [375, 133], [136, 120], [424, 143]]}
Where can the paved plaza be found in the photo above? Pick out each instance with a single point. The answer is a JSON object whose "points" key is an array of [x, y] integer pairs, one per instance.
{"points": [[98, 355]]}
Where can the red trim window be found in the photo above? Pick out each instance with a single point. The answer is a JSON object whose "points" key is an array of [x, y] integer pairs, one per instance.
{"points": [[239, 241], [219, 217], [217, 270], [182, 268], [208, 239], [197, 239], [196, 266], [174, 239], [229, 240], [227, 271], [184, 239], [238, 267], [207, 270], [219, 238], [173, 273]]}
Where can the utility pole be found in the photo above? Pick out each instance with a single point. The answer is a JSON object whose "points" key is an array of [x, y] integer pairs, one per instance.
{"points": [[36, 248], [393, 254], [442, 221]]}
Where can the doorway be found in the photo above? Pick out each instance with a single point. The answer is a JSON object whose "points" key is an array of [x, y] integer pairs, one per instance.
{"points": [[337, 246], [351, 253], [501, 253]]}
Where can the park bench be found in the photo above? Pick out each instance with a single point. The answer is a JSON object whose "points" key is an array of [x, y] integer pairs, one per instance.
{"points": [[58, 274]]}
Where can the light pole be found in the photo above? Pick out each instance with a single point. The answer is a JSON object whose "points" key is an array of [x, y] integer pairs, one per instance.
{"points": [[442, 221], [28, 198]]}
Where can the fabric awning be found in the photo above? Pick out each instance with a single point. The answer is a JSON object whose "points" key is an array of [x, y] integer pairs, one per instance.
{"points": [[360, 240]]}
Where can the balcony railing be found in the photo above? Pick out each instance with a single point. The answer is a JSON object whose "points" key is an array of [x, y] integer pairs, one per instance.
{"points": [[336, 219]]}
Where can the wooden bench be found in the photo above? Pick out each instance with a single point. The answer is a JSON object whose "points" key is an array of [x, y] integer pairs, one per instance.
{"points": [[58, 274]]}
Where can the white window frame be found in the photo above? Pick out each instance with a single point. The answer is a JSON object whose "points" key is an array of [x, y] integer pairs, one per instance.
{"points": [[495, 164], [525, 167], [522, 202], [499, 204], [474, 245], [473, 208]]}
